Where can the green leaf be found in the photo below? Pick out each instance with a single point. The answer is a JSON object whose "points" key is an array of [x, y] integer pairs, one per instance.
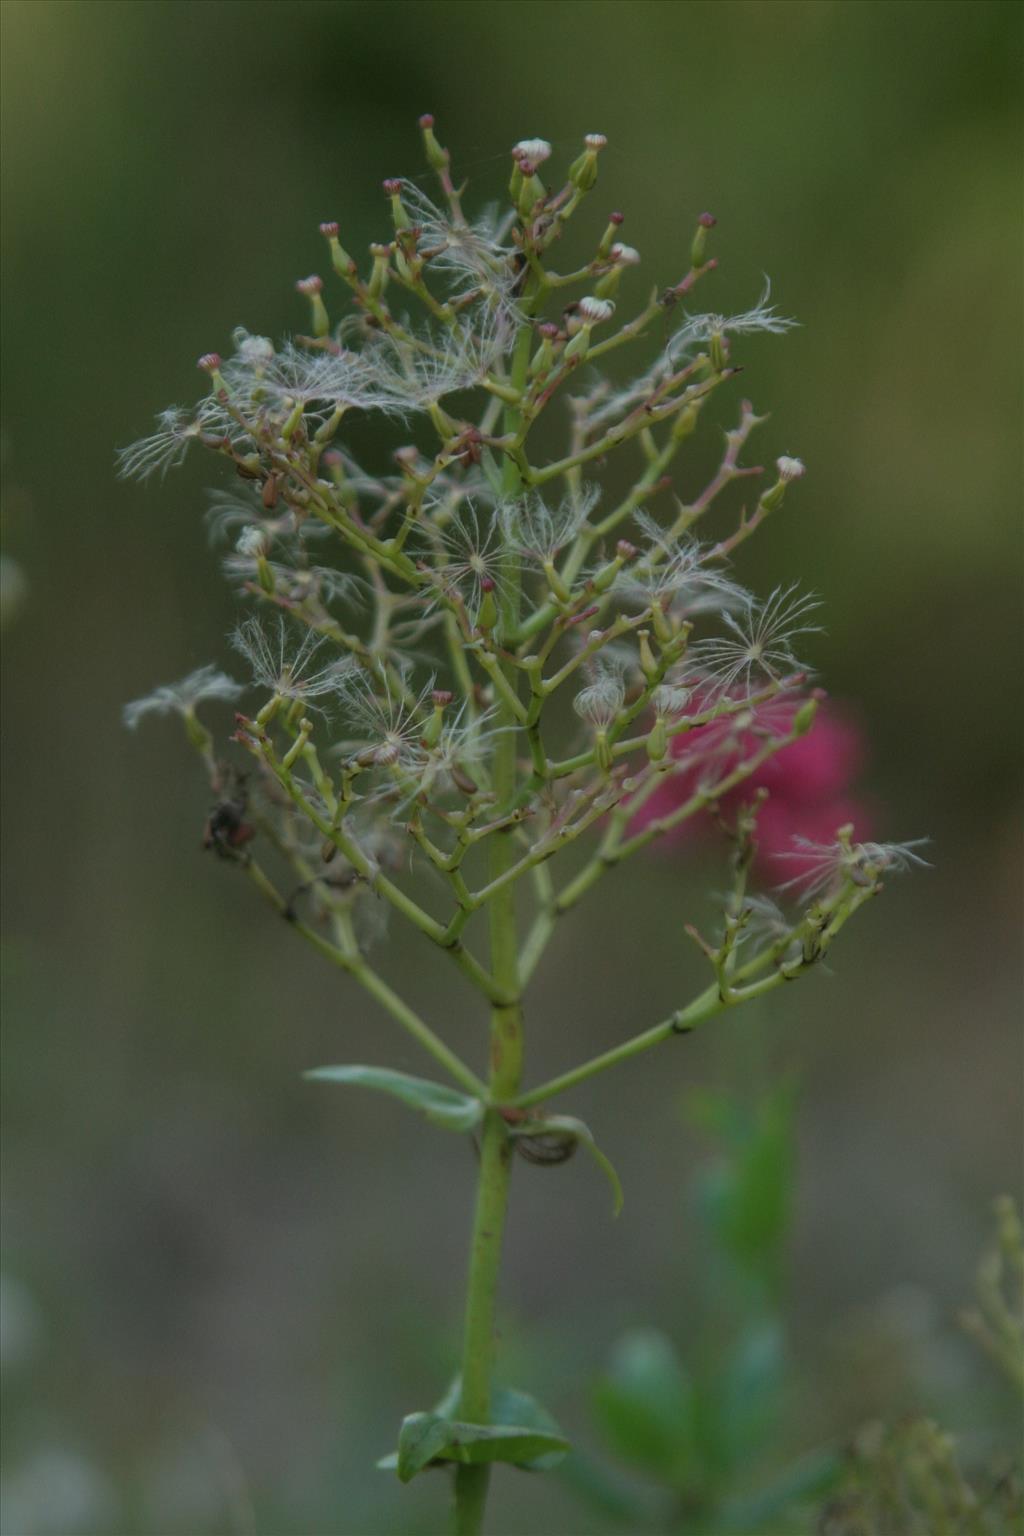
{"points": [[426, 1438], [423, 1437], [526, 1436], [747, 1198], [646, 1406], [748, 1390], [580, 1132], [442, 1105]]}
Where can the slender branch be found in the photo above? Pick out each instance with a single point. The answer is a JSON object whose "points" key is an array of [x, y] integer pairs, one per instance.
{"points": [[368, 978]]}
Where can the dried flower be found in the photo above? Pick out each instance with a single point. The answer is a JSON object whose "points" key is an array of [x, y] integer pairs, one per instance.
{"points": [[182, 698]]}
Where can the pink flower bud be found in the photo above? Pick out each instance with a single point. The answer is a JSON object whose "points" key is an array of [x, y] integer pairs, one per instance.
{"points": [[209, 362], [310, 285]]}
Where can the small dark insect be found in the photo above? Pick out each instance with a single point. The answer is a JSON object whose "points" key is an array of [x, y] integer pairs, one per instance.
{"points": [[546, 1148], [226, 829]]}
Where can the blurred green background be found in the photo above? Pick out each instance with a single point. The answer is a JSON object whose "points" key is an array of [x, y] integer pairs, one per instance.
{"points": [[222, 1287]]}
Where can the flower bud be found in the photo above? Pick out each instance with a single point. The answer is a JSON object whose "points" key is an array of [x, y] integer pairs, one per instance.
{"points": [[487, 614], [788, 469], [602, 751], [210, 363], [555, 583], [705, 222], [312, 287], [594, 311], [399, 217], [531, 189], [543, 360], [608, 238], [441, 698], [657, 740], [648, 665], [534, 150], [437, 158], [583, 171], [804, 717], [341, 261], [381, 270]]}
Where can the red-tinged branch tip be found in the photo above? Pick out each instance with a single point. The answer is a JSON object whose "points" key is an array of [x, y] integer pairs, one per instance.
{"points": [[310, 285], [442, 697], [706, 220], [329, 229], [392, 186], [427, 120], [209, 362], [616, 218]]}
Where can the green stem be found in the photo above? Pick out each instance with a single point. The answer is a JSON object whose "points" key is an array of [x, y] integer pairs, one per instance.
{"points": [[378, 988], [716, 998], [471, 1483]]}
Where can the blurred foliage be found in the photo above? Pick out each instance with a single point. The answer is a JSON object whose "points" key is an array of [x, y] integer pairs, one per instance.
{"points": [[703, 1434], [908, 1481], [200, 1250]]}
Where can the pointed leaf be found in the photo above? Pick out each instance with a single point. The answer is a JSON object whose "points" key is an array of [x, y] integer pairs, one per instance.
{"points": [[647, 1407], [527, 1437], [443, 1106], [423, 1436], [568, 1125]]}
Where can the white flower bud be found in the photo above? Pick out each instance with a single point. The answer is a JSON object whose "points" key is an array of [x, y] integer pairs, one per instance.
{"points": [[593, 311], [789, 469], [624, 255], [534, 150]]}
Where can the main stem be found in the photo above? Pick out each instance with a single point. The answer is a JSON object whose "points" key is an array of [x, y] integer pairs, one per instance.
{"points": [[471, 1483]]}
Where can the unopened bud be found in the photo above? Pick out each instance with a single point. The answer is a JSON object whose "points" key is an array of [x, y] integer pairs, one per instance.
{"points": [[487, 614], [594, 311], [583, 171], [531, 189], [623, 256], [615, 220], [313, 287], [381, 270], [705, 222], [210, 363], [437, 158], [534, 150], [648, 665], [555, 582], [804, 717], [788, 469], [602, 751], [432, 732], [341, 261], [543, 359], [393, 189], [657, 741]]}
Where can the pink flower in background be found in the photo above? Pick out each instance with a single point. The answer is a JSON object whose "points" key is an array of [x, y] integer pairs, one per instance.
{"points": [[809, 783]]}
